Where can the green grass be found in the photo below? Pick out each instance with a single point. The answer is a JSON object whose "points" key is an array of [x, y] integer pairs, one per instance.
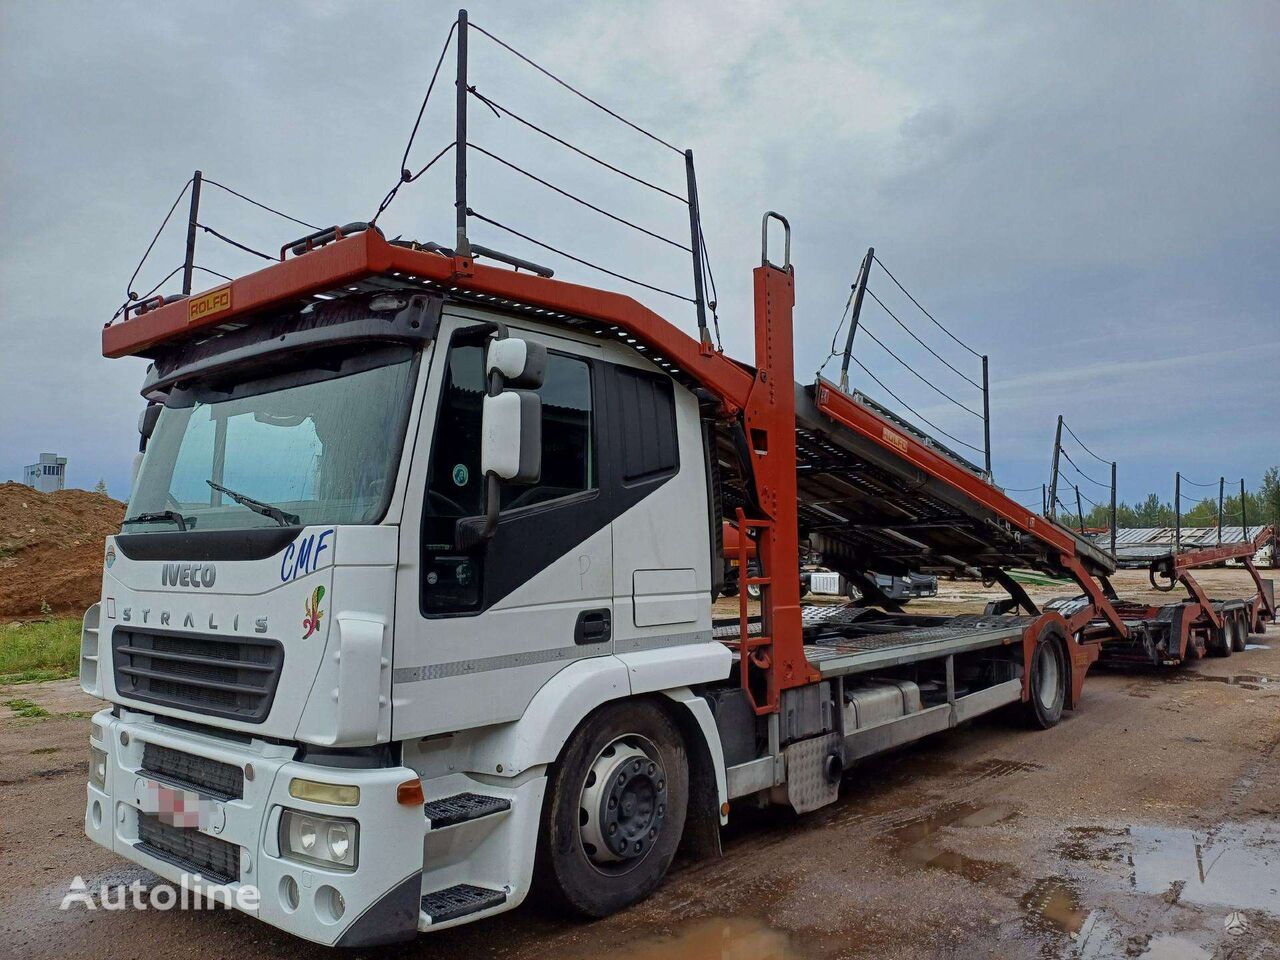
{"points": [[26, 709], [41, 650]]}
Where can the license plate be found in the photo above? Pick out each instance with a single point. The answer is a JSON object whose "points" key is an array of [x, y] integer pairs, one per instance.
{"points": [[178, 808]]}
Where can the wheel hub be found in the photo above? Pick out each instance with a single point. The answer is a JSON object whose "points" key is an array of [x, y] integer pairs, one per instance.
{"points": [[623, 804]]}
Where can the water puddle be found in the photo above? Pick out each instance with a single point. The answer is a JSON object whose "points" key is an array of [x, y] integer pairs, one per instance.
{"points": [[1236, 867], [719, 938], [1167, 947], [916, 840], [1053, 905]]}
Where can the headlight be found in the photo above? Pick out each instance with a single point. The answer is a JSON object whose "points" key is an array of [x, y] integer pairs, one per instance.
{"points": [[326, 841], [98, 767]]}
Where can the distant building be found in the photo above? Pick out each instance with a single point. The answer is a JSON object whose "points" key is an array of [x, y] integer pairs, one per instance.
{"points": [[46, 475]]}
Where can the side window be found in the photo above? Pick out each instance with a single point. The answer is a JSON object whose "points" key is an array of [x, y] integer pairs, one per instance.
{"points": [[455, 484], [647, 417]]}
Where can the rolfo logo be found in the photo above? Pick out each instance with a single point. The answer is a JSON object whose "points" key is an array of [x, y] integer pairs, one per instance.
{"points": [[193, 893]]}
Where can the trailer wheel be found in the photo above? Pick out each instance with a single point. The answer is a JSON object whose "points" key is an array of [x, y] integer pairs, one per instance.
{"points": [[614, 812], [1240, 632], [1048, 680], [1222, 641]]}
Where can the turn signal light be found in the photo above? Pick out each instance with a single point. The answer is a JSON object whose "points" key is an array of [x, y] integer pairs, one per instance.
{"points": [[410, 793]]}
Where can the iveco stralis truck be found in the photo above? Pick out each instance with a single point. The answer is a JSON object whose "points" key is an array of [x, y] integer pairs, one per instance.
{"points": [[412, 611]]}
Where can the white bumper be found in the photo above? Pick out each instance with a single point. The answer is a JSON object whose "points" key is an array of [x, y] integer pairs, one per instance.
{"points": [[375, 902]]}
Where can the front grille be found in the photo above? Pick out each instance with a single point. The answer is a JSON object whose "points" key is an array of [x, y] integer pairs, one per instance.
{"points": [[222, 781], [232, 677], [189, 850]]}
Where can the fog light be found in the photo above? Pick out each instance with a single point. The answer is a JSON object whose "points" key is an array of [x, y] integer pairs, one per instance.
{"points": [[98, 767], [325, 841], [339, 794]]}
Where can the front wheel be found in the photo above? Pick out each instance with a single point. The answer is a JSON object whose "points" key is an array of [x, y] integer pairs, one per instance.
{"points": [[615, 810], [1048, 682]]}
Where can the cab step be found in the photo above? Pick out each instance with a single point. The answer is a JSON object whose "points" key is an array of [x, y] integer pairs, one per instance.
{"points": [[460, 900], [462, 807]]}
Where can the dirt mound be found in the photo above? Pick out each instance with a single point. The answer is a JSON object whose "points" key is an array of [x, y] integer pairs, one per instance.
{"points": [[51, 549]]}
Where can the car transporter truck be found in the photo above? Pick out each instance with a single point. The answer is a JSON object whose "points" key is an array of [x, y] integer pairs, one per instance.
{"points": [[412, 610]]}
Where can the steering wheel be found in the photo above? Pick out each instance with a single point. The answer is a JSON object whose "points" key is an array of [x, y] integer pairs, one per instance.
{"points": [[453, 505]]}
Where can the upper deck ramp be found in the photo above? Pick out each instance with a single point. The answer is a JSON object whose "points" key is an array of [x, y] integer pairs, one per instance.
{"points": [[872, 490]]}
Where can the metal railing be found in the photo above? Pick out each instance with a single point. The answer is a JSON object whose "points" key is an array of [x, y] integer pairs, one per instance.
{"points": [[853, 313], [1051, 499]]}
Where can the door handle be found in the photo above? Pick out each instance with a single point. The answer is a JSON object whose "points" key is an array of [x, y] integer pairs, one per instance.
{"points": [[593, 626]]}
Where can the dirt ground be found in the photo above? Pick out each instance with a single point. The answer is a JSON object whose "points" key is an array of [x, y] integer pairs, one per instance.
{"points": [[51, 549], [1135, 828]]}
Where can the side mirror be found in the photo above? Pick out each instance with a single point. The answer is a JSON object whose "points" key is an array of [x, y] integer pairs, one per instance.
{"points": [[147, 423], [510, 429], [511, 436]]}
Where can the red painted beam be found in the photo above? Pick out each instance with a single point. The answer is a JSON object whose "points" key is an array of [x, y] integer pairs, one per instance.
{"points": [[368, 254]]}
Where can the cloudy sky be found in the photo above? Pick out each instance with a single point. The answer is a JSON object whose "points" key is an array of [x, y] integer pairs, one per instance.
{"points": [[1088, 193]]}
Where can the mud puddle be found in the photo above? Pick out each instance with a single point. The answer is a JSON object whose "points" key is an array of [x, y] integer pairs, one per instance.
{"points": [[916, 839], [718, 938]]}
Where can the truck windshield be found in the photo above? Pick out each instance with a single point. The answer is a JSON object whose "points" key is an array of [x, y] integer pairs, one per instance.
{"points": [[319, 446]]}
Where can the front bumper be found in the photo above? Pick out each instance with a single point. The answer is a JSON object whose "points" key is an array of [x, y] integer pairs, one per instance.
{"points": [[377, 902]]}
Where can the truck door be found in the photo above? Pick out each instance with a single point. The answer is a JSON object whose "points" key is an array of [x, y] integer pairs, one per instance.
{"points": [[479, 632], [661, 535]]}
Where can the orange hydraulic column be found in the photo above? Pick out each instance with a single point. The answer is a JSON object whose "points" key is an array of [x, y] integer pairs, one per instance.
{"points": [[769, 418]]}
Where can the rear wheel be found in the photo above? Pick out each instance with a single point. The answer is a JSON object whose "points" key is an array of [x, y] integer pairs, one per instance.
{"points": [[615, 810], [1048, 683], [1240, 632]]}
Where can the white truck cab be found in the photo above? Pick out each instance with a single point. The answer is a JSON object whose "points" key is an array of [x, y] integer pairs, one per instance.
{"points": [[310, 635]]}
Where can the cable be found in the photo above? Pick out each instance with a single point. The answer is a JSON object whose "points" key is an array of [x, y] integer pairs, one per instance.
{"points": [[405, 176], [594, 103], [493, 104], [928, 383], [916, 413], [1081, 442], [196, 266], [569, 256], [926, 312], [1186, 479], [917, 339], [236, 243], [577, 199], [711, 277], [1100, 483], [263, 206], [132, 299], [163, 223]]}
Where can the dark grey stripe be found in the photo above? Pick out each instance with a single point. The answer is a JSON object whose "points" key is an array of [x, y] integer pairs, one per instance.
{"points": [[506, 661]]}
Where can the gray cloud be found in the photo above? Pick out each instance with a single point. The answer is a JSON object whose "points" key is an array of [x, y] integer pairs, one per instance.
{"points": [[1087, 194]]}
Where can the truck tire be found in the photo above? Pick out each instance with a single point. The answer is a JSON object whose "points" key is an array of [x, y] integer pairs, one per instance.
{"points": [[614, 812], [1240, 631], [1048, 686]]}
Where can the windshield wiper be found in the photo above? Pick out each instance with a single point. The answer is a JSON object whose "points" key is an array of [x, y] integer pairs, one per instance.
{"points": [[258, 506], [160, 516]]}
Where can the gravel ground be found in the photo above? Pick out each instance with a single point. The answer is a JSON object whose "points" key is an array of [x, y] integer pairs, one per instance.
{"points": [[1134, 828]]}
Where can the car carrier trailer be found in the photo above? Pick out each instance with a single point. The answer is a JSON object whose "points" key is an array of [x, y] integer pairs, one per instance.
{"points": [[412, 611]]}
